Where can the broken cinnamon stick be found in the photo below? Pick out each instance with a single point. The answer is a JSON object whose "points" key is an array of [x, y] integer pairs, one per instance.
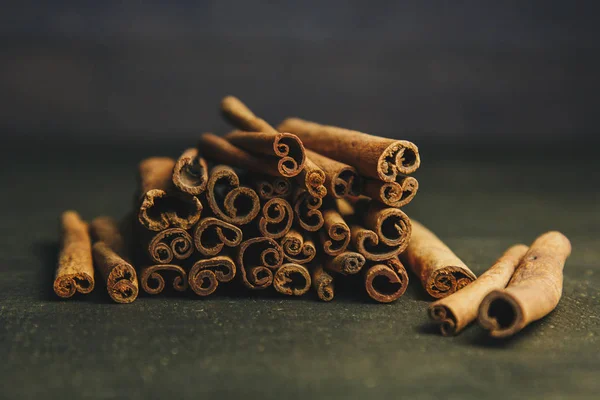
{"points": [[109, 258], [161, 204], [533, 291], [335, 235], [292, 279], [307, 211], [153, 282], [190, 173], [340, 179], [257, 258], [276, 219], [169, 244], [372, 156], [75, 271], [455, 312], [346, 263], [393, 194], [440, 271], [322, 283], [297, 249], [205, 275], [211, 235], [387, 281]]}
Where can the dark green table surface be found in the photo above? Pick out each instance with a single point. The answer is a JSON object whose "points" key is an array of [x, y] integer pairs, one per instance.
{"points": [[268, 346]]}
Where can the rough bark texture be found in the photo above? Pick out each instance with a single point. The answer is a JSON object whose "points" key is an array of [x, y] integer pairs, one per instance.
{"points": [[211, 235], [393, 194], [190, 174], [153, 282], [322, 283], [298, 249], [292, 279], [257, 258], [387, 281], [170, 244], [340, 179], [346, 263], [205, 275]]}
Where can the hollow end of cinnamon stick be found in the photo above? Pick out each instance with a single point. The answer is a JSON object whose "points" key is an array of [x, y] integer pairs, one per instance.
{"points": [[211, 235], [387, 282], [205, 275], [170, 244], [152, 278], [292, 279], [160, 209], [501, 314], [445, 318], [277, 218], [190, 174]]}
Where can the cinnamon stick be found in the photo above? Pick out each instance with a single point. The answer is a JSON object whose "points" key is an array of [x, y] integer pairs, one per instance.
{"points": [[75, 271], [368, 243], [387, 281], [307, 211], [393, 194], [276, 219], [109, 258], [257, 258], [153, 282], [322, 283], [190, 173], [340, 179], [169, 244], [346, 263], [440, 271], [313, 179], [205, 275], [297, 249], [229, 201], [455, 312], [372, 156], [533, 291], [292, 279], [212, 234], [274, 187], [161, 204], [335, 235]]}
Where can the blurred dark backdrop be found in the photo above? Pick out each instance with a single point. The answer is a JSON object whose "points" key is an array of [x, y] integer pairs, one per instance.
{"points": [[431, 71]]}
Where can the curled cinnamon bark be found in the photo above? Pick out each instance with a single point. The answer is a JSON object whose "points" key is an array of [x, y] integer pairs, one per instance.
{"points": [[257, 258], [313, 179], [440, 271], [322, 283], [277, 217], [533, 291], [172, 243], [340, 179], [346, 263], [335, 235], [153, 282], [393, 194], [386, 282], [372, 156], [367, 243], [263, 138], [212, 234], [205, 275], [455, 312], [75, 271], [274, 187], [297, 249], [161, 205], [108, 253], [392, 226], [292, 279], [307, 211], [190, 173], [229, 201]]}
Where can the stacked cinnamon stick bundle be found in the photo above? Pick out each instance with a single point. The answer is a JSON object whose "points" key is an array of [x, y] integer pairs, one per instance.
{"points": [[288, 209]]}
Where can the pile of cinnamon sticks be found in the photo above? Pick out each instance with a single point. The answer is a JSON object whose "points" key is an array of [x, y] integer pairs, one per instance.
{"points": [[295, 207]]}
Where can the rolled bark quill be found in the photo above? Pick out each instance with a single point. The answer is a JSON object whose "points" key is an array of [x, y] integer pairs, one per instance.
{"points": [[190, 174], [75, 270], [307, 211], [228, 200], [108, 253], [440, 271], [161, 204], [393, 194], [276, 219], [323, 283], [346, 263], [212, 234], [340, 179], [172, 243], [205, 275], [274, 187], [335, 235], [297, 249], [387, 281], [455, 312], [257, 258], [153, 282], [372, 156], [263, 138], [292, 279], [533, 291]]}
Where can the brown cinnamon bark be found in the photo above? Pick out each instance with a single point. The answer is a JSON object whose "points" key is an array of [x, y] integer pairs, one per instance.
{"points": [[212, 234], [263, 138], [172, 243], [292, 279], [387, 281], [307, 211], [153, 282], [109, 258], [322, 283], [229, 201], [441, 272], [372, 156], [190, 174], [297, 249], [340, 179], [455, 312], [75, 271], [273, 187], [205, 275], [346, 263], [276, 219], [161, 204], [313, 179], [368, 243], [393, 194], [533, 291], [391, 225], [335, 235], [257, 258]]}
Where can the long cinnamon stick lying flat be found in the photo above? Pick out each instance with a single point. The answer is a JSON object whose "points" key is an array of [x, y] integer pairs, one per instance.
{"points": [[440, 271], [169, 244], [75, 270], [533, 291], [292, 279], [153, 282], [109, 252], [257, 258], [393, 194], [161, 204], [323, 282], [298, 249], [456, 311], [211, 235], [205, 275], [386, 281], [340, 179], [276, 219], [372, 156]]}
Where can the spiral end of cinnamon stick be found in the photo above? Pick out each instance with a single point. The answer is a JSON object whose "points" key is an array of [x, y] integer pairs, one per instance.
{"points": [[291, 152], [445, 281], [444, 317], [501, 314], [204, 277], [122, 285], [67, 285], [190, 174], [385, 285], [401, 157], [153, 282], [325, 288], [160, 210], [292, 280]]}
